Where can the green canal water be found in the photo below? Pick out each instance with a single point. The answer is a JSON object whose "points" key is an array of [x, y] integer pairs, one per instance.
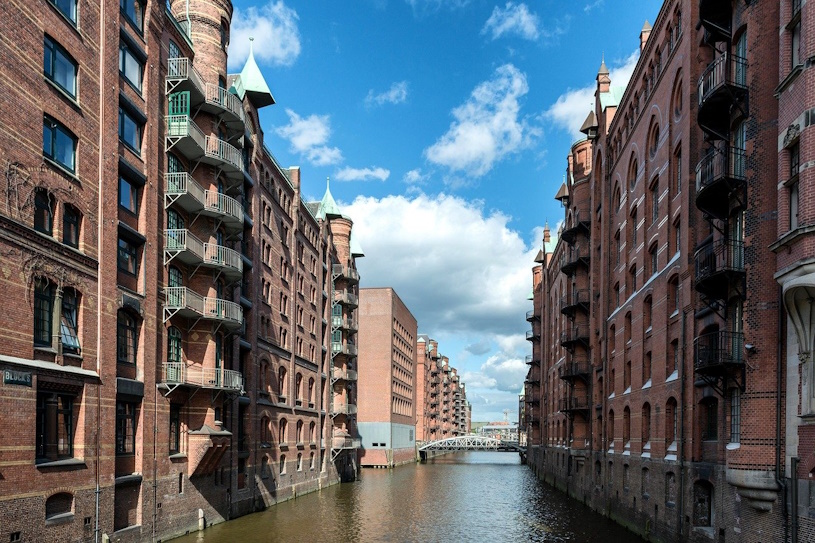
{"points": [[461, 497]]}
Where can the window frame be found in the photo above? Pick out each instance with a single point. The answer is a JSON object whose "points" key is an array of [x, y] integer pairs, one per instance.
{"points": [[50, 45], [126, 427], [71, 225], [64, 447], [127, 114], [131, 18], [43, 211], [73, 6], [127, 338], [174, 431], [53, 128], [134, 203], [69, 322], [132, 249], [43, 312], [128, 52]]}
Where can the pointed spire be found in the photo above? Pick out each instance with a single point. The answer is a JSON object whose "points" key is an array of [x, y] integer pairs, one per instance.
{"points": [[646, 26], [251, 83], [603, 68], [328, 207]]}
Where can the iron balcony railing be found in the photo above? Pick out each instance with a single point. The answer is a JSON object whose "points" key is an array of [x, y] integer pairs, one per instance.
{"points": [[218, 255], [222, 98], [574, 333], [182, 126], [223, 205], [182, 242], [530, 315], [726, 69], [344, 323], [719, 256], [182, 188], [574, 403], [179, 373], [345, 272], [532, 335], [224, 152], [184, 300], [719, 350], [338, 347], [718, 164], [532, 360], [346, 298], [181, 69], [577, 222], [345, 375], [578, 298], [345, 409], [575, 368]]}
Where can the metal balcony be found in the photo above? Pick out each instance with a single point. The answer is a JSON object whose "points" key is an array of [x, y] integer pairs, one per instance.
{"points": [[721, 184], [716, 353], [346, 298], [183, 191], [341, 374], [348, 349], [720, 269], [715, 17], [576, 368], [228, 107], [579, 223], [180, 245], [344, 323], [722, 85], [578, 300], [532, 335], [574, 335], [184, 136], [179, 373], [183, 302], [576, 255], [530, 316], [574, 404], [345, 272], [182, 76], [344, 409], [532, 360], [532, 400], [345, 443]]}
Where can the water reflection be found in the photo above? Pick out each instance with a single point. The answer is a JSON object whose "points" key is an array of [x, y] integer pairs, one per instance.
{"points": [[474, 496]]}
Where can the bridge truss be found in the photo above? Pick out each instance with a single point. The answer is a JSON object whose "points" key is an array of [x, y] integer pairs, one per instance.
{"points": [[471, 443]]}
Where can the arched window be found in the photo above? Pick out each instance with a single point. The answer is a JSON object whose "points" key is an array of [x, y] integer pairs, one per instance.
{"points": [[627, 427], [43, 311], [671, 422], [282, 384], [646, 426], [299, 461], [311, 432], [282, 464], [311, 392], [311, 462], [265, 431], [59, 504], [43, 211], [299, 432], [632, 172], [281, 432], [611, 429], [653, 141], [298, 388]]}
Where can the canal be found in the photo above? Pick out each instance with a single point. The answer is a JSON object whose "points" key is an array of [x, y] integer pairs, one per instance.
{"points": [[470, 496]]}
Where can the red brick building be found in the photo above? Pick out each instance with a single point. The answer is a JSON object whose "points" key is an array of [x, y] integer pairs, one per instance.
{"points": [[387, 379], [168, 358], [670, 390], [442, 410]]}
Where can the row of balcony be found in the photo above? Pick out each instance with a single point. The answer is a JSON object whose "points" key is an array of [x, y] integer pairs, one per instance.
{"points": [[184, 191], [572, 404], [183, 77], [578, 300], [184, 135], [184, 302], [576, 368], [575, 256], [576, 224], [183, 246], [720, 271], [574, 335], [721, 86]]}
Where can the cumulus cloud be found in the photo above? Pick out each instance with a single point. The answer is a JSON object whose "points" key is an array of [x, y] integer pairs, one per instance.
{"points": [[274, 27], [481, 347], [572, 107], [487, 127], [308, 136], [513, 19], [362, 174], [396, 94], [415, 177], [431, 250]]}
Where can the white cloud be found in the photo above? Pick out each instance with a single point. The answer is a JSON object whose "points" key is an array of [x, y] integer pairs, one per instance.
{"points": [[596, 4], [308, 136], [396, 94], [274, 29], [362, 174], [514, 19], [415, 177], [572, 107], [421, 7], [487, 127], [433, 251]]}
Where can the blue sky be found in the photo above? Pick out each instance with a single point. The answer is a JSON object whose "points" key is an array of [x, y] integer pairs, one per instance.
{"points": [[444, 127]]}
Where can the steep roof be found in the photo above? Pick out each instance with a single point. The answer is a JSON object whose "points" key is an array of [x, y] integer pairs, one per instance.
{"points": [[328, 206], [612, 98], [250, 83]]}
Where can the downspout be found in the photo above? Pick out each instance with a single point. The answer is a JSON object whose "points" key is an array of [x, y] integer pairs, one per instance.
{"points": [[681, 451], [99, 245], [779, 468], [155, 461]]}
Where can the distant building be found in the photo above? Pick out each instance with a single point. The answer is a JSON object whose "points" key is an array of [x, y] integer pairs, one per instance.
{"points": [[443, 410], [387, 379]]}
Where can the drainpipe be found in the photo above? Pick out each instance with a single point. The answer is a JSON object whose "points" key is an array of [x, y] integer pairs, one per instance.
{"points": [[155, 461], [779, 468], [100, 218], [681, 407]]}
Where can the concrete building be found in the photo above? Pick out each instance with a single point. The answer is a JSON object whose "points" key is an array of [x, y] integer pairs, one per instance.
{"points": [[671, 393], [387, 379], [166, 357]]}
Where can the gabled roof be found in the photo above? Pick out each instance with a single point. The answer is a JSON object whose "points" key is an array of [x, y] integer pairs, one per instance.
{"points": [[250, 83], [612, 98]]}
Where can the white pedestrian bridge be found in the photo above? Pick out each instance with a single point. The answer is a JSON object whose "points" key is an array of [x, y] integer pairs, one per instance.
{"points": [[472, 443]]}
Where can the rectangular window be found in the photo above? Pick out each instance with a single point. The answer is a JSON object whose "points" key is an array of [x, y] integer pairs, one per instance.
{"points": [[127, 259], [711, 424], [125, 428], [175, 428], [67, 8], [655, 202], [130, 130], [126, 338], [58, 143], [70, 225], [59, 67], [43, 311], [654, 260], [735, 415], [129, 195], [795, 52], [55, 426], [133, 10], [130, 66], [68, 326], [678, 169]]}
